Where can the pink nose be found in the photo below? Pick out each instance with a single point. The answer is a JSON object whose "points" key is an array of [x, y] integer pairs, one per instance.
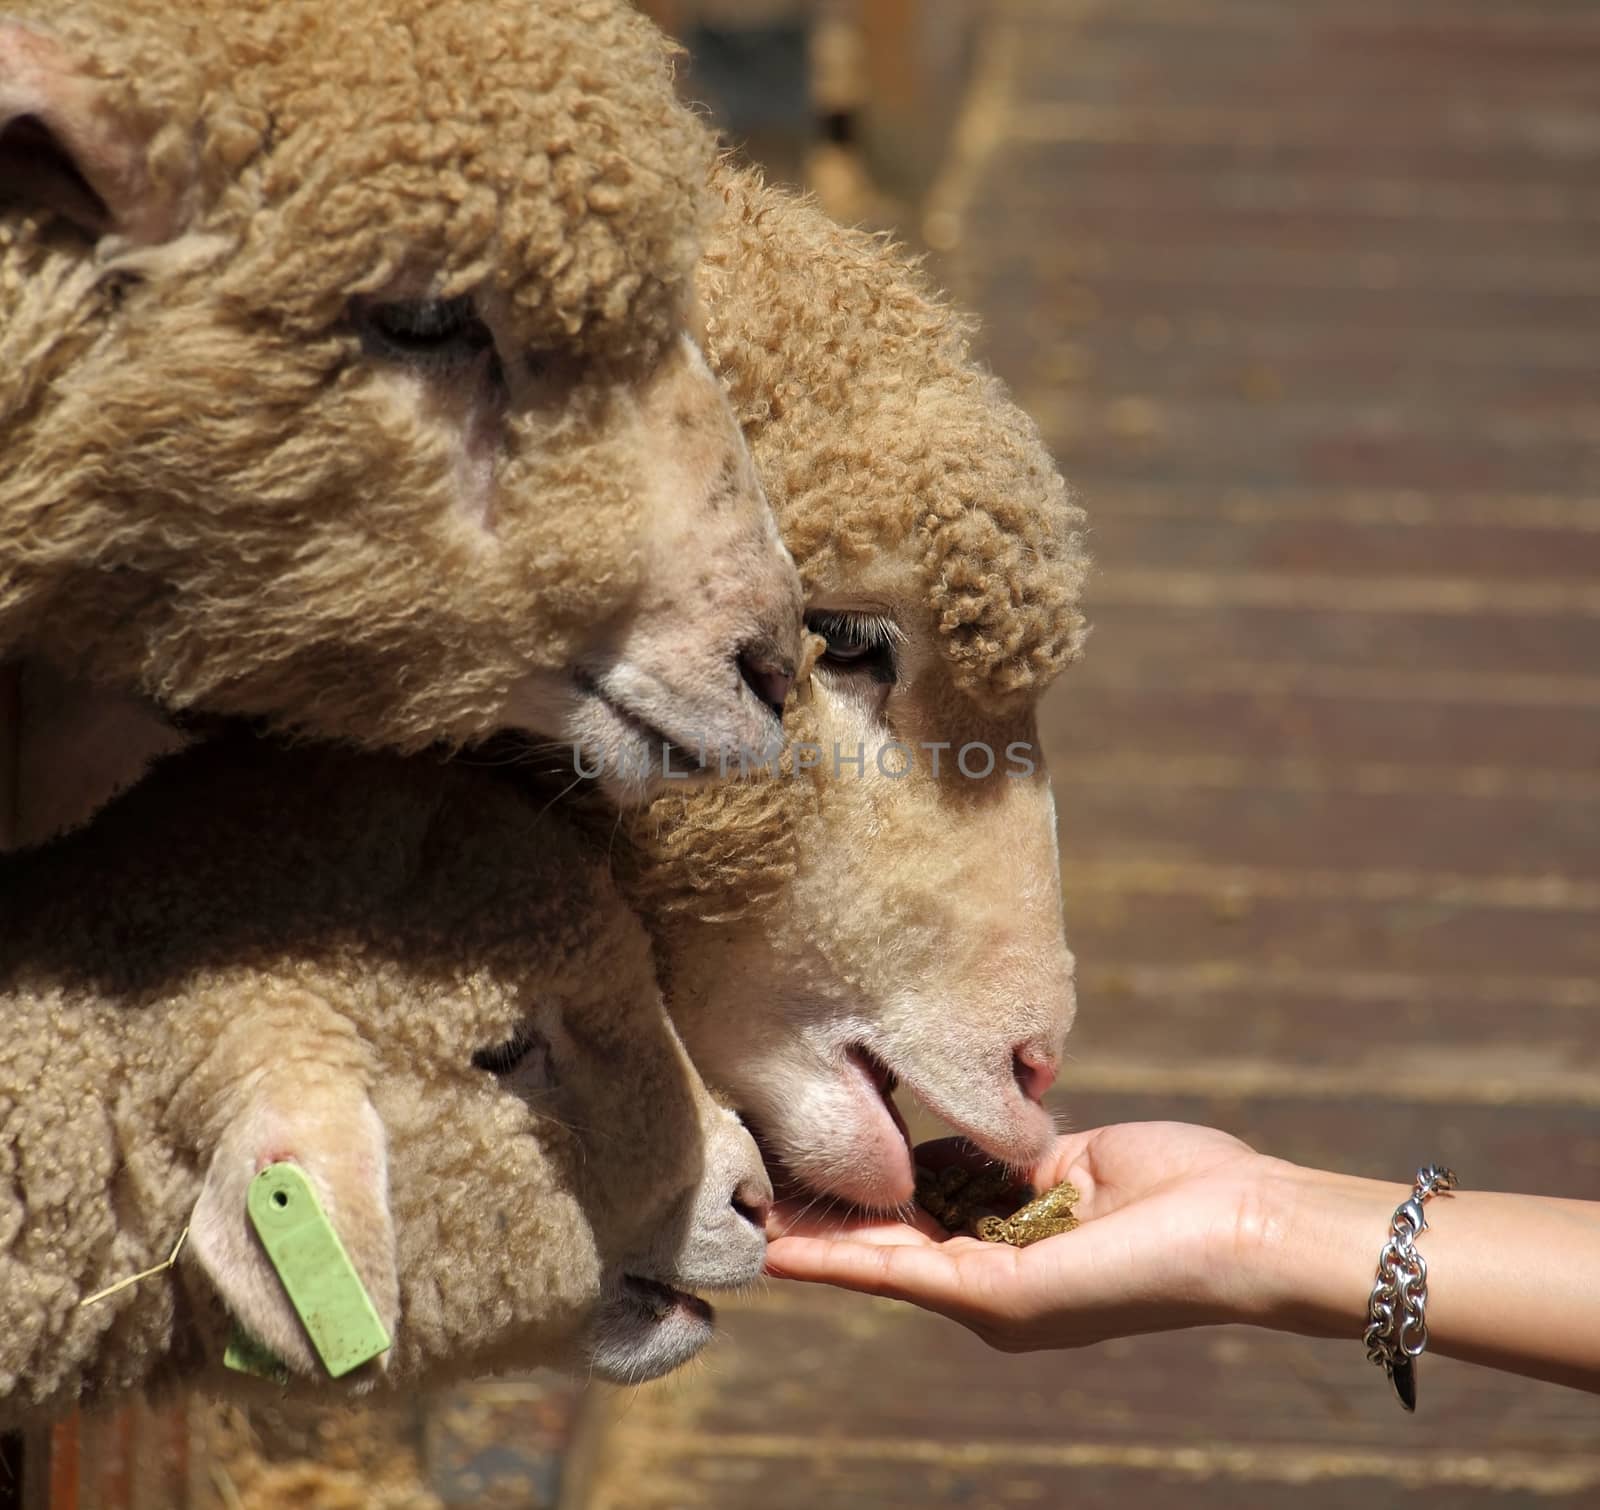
{"points": [[1035, 1073]]}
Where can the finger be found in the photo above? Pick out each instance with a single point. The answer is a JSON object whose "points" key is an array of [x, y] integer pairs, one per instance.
{"points": [[1067, 1150], [921, 1273], [814, 1219], [929, 1226], [880, 1234], [852, 1225], [806, 1214]]}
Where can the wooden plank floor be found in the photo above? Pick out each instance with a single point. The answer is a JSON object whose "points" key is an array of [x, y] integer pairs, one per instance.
{"points": [[1307, 297]]}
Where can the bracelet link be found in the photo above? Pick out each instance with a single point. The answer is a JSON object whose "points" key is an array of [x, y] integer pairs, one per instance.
{"points": [[1410, 1212], [1397, 1314]]}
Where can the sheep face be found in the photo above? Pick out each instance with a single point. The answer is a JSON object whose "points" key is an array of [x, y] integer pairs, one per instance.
{"points": [[665, 1180], [534, 1167], [349, 378], [558, 1200], [917, 939], [668, 1224], [889, 908]]}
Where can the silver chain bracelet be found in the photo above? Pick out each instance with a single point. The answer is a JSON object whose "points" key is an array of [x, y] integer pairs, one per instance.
{"points": [[1397, 1324]]}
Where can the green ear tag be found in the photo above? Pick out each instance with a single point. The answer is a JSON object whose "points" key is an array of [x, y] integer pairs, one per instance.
{"points": [[317, 1275]]}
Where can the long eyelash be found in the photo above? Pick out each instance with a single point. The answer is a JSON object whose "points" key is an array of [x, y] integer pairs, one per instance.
{"points": [[502, 1058], [871, 630]]}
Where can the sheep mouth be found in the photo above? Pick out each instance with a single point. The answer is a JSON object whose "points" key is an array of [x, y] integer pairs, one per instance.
{"points": [[660, 1302], [883, 1083], [646, 1328], [675, 756], [863, 1156], [1000, 1136]]}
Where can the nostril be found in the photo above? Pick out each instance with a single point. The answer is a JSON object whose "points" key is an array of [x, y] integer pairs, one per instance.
{"points": [[1035, 1073], [769, 679], [753, 1201]]}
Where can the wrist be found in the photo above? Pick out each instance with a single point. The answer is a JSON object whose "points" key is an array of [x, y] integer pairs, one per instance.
{"points": [[1310, 1241]]}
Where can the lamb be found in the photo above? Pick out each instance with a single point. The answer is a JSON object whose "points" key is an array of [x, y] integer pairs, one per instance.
{"points": [[348, 378], [918, 501], [923, 511], [902, 926], [889, 910], [415, 983]]}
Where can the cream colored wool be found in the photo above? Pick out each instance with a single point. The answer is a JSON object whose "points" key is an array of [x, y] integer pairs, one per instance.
{"points": [[820, 932], [875, 430], [879, 439], [210, 493], [296, 953], [920, 919]]}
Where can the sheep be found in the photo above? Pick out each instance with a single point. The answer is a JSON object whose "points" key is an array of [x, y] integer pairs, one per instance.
{"points": [[819, 935], [411, 980], [348, 377], [888, 911], [918, 501]]}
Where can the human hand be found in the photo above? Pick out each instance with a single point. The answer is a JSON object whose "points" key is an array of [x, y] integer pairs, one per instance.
{"points": [[1169, 1215]]}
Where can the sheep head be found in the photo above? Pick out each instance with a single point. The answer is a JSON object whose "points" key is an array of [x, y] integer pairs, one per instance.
{"points": [[557, 1197], [889, 907], [514, 1104], [410, 981], [350, 378]]}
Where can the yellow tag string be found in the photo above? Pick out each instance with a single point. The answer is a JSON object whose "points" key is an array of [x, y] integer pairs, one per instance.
{"points": [[133, 1279]]}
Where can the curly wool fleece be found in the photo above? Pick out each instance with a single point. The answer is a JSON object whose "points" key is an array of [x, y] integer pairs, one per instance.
{"points": [[302, 953], [207, 494], [874, 430], [877, 436]]}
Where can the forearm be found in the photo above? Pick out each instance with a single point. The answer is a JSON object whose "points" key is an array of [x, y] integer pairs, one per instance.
{"points": [[1513, 1281]]}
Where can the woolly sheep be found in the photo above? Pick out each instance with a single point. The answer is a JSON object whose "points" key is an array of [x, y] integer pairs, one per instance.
{"points": [[824, 936], [904, 927], [347, 380], [410, 980]]}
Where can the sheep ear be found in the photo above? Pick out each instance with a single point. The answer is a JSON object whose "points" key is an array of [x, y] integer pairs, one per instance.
{"points": [[65, 147], [336, 1137]]}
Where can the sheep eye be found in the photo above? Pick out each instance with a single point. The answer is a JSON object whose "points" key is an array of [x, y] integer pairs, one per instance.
{"points": [[425, 332], [523, 1058], [861, 644], [502, 1058]]}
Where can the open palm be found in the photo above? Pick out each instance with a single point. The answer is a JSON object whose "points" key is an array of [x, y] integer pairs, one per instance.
{"points": [[1164, 1207]]}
